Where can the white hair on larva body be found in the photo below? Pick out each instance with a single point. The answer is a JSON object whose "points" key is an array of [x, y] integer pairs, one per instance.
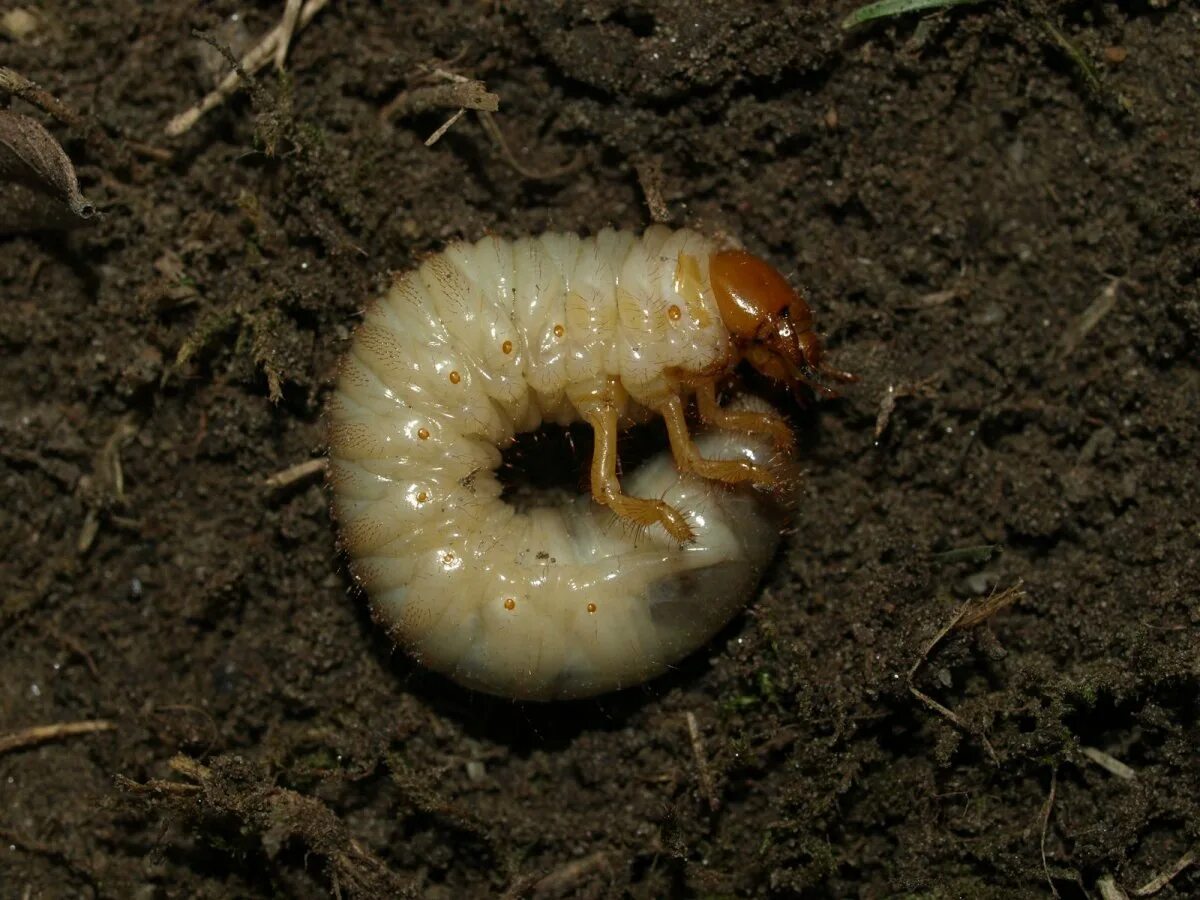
{"points": [[488, 340]]}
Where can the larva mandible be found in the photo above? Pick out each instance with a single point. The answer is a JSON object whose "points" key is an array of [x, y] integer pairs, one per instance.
{"points": [[488, 340]]}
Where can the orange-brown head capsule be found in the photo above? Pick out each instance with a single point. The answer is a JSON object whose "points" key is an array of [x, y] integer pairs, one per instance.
{"points": [[769, 320], [749, 291]]}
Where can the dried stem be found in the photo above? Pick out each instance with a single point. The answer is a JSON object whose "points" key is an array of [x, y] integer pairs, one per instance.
{"points": [[291, 14], [1046, 810], [20, 86], [40, 734], [967, 616], [1156, 884], [252, 62], [702, 769], [460, 93], [292, 474]]}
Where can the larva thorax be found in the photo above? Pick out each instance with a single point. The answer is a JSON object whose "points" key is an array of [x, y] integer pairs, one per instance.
{"points": [[616, 319]]}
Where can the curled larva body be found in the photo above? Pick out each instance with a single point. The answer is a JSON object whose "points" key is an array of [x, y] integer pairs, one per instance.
{"points": [[488, 340]]}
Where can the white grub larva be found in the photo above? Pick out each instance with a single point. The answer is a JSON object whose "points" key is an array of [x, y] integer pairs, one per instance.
{"points": [[488, 340]]}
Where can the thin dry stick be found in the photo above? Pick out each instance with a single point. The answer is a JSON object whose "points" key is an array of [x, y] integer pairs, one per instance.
{"points": [[461, 92], [292, 474], [1109, 763], [967, 615], [702, 769], [1109, 889], [19, 86], [277, 813], [1045, 827], [467, 93], [493, 130], [1090, 317], [994, 603], [254, 60], [1156, 884], [569, 875], [291, 13], [520, 887], [40, 734], [158, 154], [887, 405], [444, 127]]}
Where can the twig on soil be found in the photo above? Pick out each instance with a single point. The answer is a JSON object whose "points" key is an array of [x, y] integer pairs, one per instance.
{"points": [[490, 126], [1090, 76], [1109, 889], [1156, 884], [1083, 65], [234, 788], [520, 887], [150, 151], [444, 127], [650, 177], [935, 299], [922, 388], [291, 14], [968, 615], [466, 94], [1090, 318], [88, 531], [108, 472], [299, 472], [569, 875], [40, 734], [106, 485], [1110, 764], [1046, 810], [702, 769], [461, 93], [253, 61], [939, 708], [992, 604], [18, 85]]}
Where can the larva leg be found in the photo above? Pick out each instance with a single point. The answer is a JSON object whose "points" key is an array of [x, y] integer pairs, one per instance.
{"points": [[688, 458], [742, 420], [606, 489]]}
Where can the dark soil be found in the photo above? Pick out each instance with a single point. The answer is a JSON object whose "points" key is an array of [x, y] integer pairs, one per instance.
{"points": [[959, 193]]}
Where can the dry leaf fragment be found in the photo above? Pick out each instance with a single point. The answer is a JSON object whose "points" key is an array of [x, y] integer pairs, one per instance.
{"points": [[38, 187]]}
